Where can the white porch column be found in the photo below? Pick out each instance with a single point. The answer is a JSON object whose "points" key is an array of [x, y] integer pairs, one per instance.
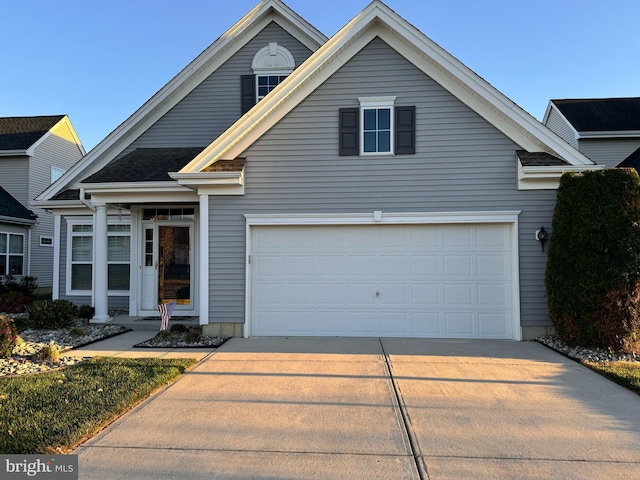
{"points": [[203, 262], [100, 266]]}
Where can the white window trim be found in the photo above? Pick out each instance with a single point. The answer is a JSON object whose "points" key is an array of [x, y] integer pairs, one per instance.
{"points": [[8, 254], [272, 59], [46, 237], [89, 221], [368, 103]]}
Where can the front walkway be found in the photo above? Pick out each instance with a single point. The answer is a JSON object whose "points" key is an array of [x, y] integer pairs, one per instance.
{"points": [[330, 408]]}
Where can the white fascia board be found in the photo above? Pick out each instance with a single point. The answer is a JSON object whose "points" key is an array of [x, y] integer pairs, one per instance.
{"points": [[547, 177], [212, 183], [17, 221], [14, 153], [183, 83], [610, 134], [378, 20]]}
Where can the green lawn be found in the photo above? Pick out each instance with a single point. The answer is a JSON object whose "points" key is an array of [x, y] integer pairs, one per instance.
{"points": [[626, 374], [54, 412]]}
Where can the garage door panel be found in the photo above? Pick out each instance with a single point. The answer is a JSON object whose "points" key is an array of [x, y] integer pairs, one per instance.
{"points": [[425, 266], [432, 280], [459, 324], [427, 324], [458, 265], [492, 325], [492, 266], [458, 294], [493, 295], [425, 294]]}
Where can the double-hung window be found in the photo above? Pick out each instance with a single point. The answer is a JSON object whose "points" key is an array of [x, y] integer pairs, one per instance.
{"points": [[11, 254], [376, 118], [80, 257], [377, 127]]}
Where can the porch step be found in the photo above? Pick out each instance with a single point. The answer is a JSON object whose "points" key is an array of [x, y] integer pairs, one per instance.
{"points": [[152, 323]]}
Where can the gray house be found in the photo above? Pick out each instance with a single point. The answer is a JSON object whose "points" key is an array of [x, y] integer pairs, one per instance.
{"points": [[607, 130], [284, 183], [34, 152]]}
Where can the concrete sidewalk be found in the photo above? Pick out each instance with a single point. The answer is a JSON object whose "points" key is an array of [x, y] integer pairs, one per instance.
{"points": [[370, 408]]}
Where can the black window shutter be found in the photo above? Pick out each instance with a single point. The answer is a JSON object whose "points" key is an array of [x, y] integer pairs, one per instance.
{"points": [[247, 92], [349, 134], [405, 130]]}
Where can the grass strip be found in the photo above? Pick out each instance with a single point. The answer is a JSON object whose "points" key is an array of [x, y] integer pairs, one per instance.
{"points": [[626, 374], [54, 412]]}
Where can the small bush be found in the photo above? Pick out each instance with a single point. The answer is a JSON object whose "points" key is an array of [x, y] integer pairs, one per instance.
{"points": [[163, 335], [76, 332], [51, 314], [178, 328], [193, 336], [14, 302], [86, 311], [48, 353], [8, 336]]}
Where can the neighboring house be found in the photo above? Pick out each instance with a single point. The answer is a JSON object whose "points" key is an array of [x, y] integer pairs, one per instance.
{"points": [[34, 152], [378, 187], [607, 130]]}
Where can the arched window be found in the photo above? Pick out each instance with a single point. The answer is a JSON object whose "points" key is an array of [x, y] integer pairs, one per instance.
{"points": [[271, 65]]}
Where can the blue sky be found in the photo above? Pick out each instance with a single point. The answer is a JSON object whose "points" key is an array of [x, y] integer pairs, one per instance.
{"points": [[98, 61]]}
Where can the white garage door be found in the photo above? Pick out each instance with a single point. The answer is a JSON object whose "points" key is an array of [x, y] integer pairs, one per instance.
{"points": [[441, 281]]}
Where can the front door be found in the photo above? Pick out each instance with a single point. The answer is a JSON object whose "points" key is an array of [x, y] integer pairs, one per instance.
{"points": [[167, 271]]}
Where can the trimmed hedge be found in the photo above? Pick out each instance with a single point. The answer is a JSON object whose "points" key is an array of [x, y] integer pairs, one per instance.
{"points": [[593, 265]]}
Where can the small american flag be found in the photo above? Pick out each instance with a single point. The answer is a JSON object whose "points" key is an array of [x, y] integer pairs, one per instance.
{"points": [[166, 309]]}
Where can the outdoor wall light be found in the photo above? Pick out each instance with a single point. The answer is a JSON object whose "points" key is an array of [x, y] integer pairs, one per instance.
{"points": [[541, 236]]}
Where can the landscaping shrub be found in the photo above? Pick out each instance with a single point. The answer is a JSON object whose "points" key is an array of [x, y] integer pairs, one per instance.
{"points": [[86, 311], [14, 302], [48, 353], [27, 285], [593, 266], [8, 336], [51, 314], [178, 328]]}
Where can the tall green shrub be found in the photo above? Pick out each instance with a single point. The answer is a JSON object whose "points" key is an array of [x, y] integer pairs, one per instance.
{"points": [[593, 265]]}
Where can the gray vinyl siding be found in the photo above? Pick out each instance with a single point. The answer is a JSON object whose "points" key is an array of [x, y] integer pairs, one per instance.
{"points": [[560, 126], [609, 152], [14, 177], [214, 105], [57, 150], [462, 163]]}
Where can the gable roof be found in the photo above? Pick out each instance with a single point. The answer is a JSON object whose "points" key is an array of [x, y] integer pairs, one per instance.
{"points": [[185, 82], [601, 114], [378, 20], [20, 133], [632, 161], [11, 210]]}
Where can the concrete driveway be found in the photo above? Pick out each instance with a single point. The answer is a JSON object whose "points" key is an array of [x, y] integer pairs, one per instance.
{"points": [[277, 408]]}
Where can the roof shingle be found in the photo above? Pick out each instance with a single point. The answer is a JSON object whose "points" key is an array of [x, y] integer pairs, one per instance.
{"points": [[10, 207], [601, 114], [19, 133], [145, 165]]}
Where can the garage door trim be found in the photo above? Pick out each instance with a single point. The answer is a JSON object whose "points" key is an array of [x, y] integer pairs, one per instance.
{"points": [[380, 218]]}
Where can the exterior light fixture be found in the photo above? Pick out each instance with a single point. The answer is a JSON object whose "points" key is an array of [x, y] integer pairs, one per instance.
{"points": [[541, 236]]}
